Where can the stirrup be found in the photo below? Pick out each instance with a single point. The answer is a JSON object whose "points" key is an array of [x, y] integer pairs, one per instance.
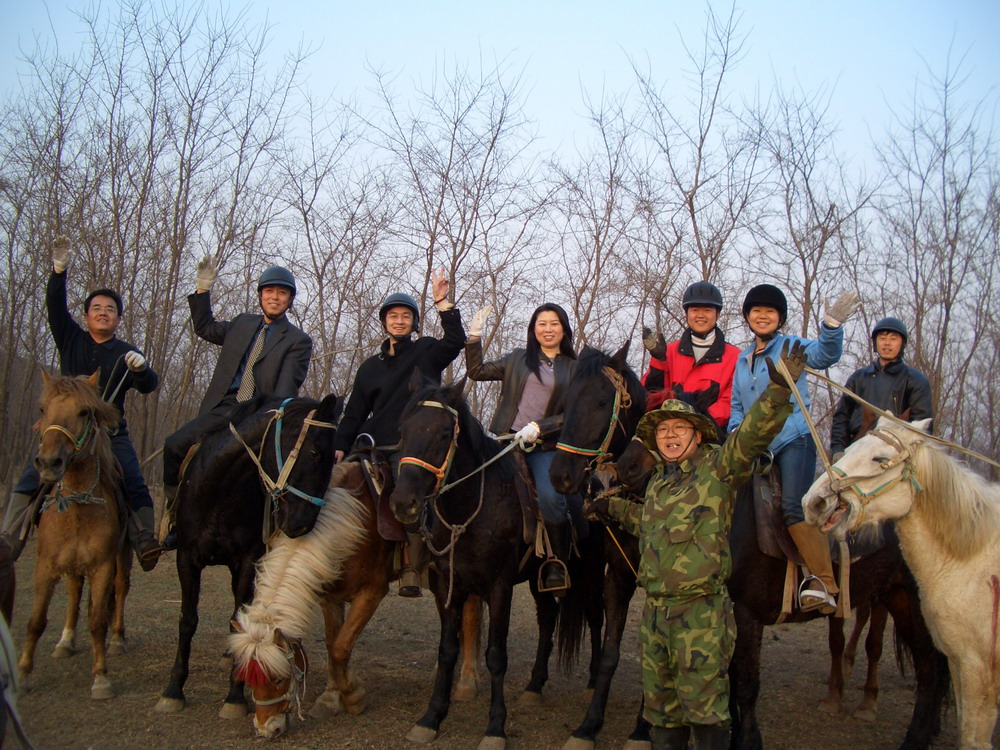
{"points": [[543, 570], [811, 599], [409, 583]]}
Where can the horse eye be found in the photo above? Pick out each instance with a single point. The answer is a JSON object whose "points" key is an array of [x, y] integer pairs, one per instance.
{"points": [[83, 413], [881, 460]]}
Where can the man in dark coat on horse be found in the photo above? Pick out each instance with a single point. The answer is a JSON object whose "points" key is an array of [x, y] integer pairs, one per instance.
{"points": [[887, 383], [122, 366], [261, 353], [381, 387]]}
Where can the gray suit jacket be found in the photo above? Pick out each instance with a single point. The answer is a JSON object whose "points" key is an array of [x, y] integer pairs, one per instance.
{"points": [[282, 366]]}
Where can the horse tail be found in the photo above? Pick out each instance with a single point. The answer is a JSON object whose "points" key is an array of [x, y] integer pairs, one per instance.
{"points": [[584, 601], [570, 624]]}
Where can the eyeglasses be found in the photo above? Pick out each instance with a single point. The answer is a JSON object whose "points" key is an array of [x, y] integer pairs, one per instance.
{"points": [[104, 309], [665, 430]]}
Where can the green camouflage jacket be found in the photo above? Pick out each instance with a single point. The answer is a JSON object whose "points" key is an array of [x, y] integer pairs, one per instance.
{"points": [[683, 525]]}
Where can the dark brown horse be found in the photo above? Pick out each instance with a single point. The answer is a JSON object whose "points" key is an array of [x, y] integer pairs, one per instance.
{"points": [[342, 561], [758, 580], [80, 529]]}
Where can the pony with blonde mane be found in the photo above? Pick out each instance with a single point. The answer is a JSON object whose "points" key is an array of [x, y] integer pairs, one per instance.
{"points": [[948, 522], [80, 529], [342, 560]]}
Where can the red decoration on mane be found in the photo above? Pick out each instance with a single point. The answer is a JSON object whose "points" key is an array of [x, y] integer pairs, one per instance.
{"points": [[253, 674]]}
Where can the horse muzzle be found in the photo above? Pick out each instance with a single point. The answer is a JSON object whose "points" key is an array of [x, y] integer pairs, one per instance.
{"points": [[273, 727], [51, 468], [830, 513]]}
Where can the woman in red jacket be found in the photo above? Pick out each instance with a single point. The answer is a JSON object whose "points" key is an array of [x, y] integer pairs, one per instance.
{"points": [[700, 360]]}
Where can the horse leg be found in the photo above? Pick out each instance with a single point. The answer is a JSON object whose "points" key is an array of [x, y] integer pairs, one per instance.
{"points": [[546, 610], [468, 676], [745, 680], [978, 714], [363, 606], [45, 584], [835, 689], [66, 646], [189, 574], [329, 703], [427, 726], [123, 582], [861, 617], [495, 737], [242, 574], [873, 650], [101, 584]]}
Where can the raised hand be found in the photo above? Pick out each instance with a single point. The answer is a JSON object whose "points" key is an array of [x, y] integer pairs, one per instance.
{"points": [[204, 278], [60, 253], [654, 343]]}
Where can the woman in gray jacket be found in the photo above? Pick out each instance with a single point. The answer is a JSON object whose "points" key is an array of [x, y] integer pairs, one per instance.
{"points": [[533, 381]]}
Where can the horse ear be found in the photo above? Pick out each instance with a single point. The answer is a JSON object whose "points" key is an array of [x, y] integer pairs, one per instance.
{"points": [[235, 626], [279, 637], [46, 378], [455, 392], [418, 381], [620, 358], [330, 408], [94, 377], [924, 425]]}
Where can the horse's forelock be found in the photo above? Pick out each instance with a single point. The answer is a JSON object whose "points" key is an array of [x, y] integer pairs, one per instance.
{"points": [[79, 389], [253, 674]]}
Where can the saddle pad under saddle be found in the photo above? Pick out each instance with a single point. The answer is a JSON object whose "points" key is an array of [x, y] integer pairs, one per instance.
{"points": [[530, 514], [378, 477], [773, 538]]}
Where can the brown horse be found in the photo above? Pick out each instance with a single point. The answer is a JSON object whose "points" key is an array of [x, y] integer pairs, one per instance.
{"points": [[342, 560], [80, 529]]}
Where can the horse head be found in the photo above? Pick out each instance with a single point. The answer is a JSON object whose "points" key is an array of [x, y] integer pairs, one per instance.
{"points": [[874, 481], [310, 447], [603, 402], [635, 464], [74, 420], [429, 430], [274, 666]]}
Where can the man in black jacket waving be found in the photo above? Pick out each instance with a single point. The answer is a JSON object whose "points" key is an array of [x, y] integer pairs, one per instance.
{"points": [[887, 383], [122, 367], [381, 385], [261, 353]]}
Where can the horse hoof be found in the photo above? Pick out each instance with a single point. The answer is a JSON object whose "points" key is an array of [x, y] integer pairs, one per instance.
{"points": [[354, 702], [61, 651], [226, 663], [829, 706], [327, 706], [23, 684], [863, 713], [169, 705], [421, 735], [464, 691], [530, 698], [578, 743], [233, 711], [493, 743], [638, 745], [101, 689], [117, 647]]}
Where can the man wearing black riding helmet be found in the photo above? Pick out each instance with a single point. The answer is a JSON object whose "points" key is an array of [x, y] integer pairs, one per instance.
{"points": [[381, 387], [261, 353], [82, 350], [699, 361], [887, 383]]}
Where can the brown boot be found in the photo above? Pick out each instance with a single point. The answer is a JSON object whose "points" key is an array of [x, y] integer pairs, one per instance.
{"points": [[140, 535], [815, 550], [14, 532]]}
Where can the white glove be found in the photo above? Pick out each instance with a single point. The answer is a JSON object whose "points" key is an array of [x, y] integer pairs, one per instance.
{"points": [[205, 276], [135, 361], [840, 311], [478, 320], [60, 253], [528, 434]]}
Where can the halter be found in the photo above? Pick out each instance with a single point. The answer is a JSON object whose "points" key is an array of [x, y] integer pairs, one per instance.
{"points": [[440, 472], [297, 683], [907, 474], [57, 499], [623, 400], [77, 442]]}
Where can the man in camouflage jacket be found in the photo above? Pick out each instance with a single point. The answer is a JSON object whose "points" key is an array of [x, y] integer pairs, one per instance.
{"points": [[688, 630]]}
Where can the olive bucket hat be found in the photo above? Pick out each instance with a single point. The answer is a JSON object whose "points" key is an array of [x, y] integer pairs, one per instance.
{"points": [[674, 409]]}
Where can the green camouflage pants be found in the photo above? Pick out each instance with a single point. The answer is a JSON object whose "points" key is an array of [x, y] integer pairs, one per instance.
{"points": [[686, 650]]}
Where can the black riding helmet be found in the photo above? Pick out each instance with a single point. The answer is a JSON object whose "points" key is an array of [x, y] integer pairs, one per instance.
{"points": [[702, 294], [895, 325], [276, 276], [766, 295], [400, 299]]}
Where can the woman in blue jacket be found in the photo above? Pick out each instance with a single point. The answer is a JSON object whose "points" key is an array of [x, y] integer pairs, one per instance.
{"points": [[765, 310]]}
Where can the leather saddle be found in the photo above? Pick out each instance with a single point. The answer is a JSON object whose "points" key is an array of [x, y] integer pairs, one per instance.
{"points": [[378, 477]]}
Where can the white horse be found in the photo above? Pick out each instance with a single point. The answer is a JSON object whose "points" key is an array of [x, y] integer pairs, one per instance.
{"points": [[948, 522]]}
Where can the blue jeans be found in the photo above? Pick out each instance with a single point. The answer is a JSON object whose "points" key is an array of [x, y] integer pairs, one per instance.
{"points": [[797, 462], [555, 507]]}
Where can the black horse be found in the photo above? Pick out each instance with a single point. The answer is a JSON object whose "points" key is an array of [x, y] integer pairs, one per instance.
{"points": [[758, 581], [475, 531], [221, 507]]}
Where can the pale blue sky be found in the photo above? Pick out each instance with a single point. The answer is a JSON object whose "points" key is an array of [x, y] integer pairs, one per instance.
{"points": [[870, 53]]}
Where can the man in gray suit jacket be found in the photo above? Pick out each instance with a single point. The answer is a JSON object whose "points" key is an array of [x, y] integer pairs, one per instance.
{"points": [[260, 354]]}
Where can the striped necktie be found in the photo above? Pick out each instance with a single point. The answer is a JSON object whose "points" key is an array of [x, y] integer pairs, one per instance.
{"points": [[245, 391]]}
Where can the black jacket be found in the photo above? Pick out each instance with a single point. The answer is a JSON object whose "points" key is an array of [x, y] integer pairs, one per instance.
{"points": [[896, 388], [79, 354], [513, 372], [281, 368], [382, 383]]}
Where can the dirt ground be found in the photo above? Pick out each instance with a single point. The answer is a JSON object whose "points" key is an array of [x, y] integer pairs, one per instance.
{"points": [[395, 658]]}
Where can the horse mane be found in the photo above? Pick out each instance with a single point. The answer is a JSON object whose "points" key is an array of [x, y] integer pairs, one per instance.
{"points": [[961, 506], [106, 415], [291, 578]]}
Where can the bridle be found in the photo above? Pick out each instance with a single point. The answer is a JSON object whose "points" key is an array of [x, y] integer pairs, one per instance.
{"points": [[623, 400], [439, 472], [77, 443], [903, 458], [297, 681], [83, 497]]}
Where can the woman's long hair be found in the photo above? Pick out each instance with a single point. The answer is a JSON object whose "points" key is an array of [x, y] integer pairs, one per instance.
{"points": [[533, 351]]}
